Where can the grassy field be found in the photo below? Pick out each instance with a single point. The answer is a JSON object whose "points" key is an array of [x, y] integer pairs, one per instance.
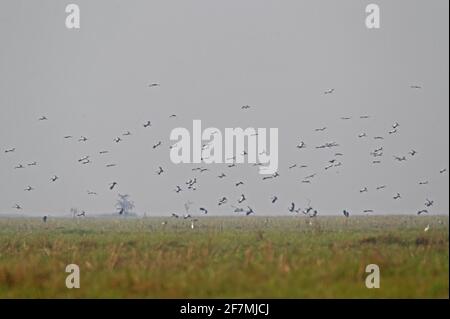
{"points": [[279, 257]]}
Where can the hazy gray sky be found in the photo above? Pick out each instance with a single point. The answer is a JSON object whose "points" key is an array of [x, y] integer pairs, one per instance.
{"points": [[212, 57]]}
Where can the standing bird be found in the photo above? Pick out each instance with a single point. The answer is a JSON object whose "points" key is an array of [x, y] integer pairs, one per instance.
{"points": [[44, 219], [346, 213]]}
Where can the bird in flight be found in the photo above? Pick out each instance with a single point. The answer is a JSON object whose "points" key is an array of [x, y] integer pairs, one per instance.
{"points": [[32, 164], [321, 129], [147, 124], [301, 145], [19, 166], [242, 199], [412, 152], [422, 211], [43, 118], [204, 210], [29, 188], [400, 159], [329, 91], [112, 185], [442, 171], [157, 145], [91, 193], [274, 199], [117, 139], [381, 187], [82, 139], [364, 117], [178, 189], [249, 211], [239, 183], [363, 190], [393, 131], [160, 170], [10, 150], [54, 178], [429, 203], [415, 86], [223, 201], [17, 206], [152, 85], [397, 196], [245, 107]]}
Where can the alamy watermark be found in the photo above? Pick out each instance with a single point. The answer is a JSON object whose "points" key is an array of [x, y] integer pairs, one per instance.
{"points": [[211, 146]]}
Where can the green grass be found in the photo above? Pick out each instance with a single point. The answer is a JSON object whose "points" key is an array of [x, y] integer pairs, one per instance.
{"points": [[255, 257]]}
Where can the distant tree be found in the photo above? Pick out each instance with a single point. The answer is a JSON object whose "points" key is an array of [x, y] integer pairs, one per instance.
{"points": [[74, 212], [125, 204]]}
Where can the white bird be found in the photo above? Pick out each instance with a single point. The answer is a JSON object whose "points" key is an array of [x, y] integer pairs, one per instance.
{"points": [[427, 228]]}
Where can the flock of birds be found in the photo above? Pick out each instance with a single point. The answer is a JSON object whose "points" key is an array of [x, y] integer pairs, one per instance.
{"points": [[241, 205]]}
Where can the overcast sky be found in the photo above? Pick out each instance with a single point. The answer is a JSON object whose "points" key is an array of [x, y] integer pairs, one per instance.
{"points": [[212, 57]]}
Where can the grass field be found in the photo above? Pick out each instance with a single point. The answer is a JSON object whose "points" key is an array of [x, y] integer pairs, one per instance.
{"points": [[278, 257]]}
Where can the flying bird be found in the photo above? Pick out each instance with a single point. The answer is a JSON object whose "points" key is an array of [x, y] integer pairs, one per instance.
{"points": [[112, 185]]}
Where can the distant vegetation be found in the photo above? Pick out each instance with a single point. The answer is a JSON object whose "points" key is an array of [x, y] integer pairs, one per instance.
{"points": [[226, 257]]}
